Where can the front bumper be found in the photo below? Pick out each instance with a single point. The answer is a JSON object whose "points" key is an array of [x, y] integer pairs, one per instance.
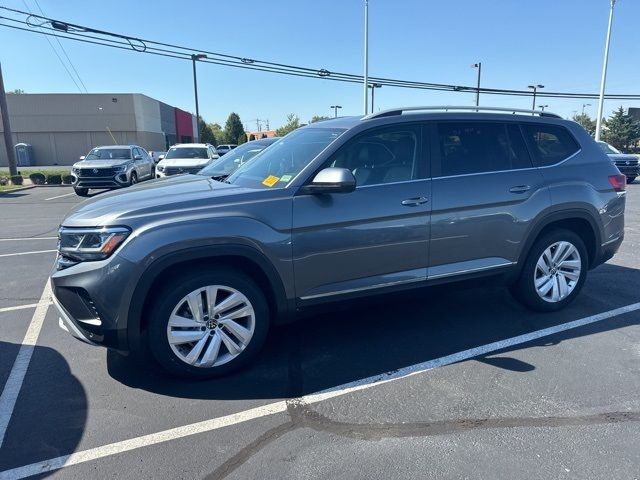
{"points": [[67, 324], [629, 170], [117, 181]]}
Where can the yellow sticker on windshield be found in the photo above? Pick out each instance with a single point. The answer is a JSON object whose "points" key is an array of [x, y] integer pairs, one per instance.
{"points": [[270, 181]]}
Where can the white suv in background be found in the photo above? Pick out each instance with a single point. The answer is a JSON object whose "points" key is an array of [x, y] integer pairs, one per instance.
{"points": [[186, 158]]}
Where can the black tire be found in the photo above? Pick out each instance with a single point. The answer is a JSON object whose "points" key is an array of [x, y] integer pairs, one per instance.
{"points": [[133, 179], [169, 296], [631, 179], [524, 288], [82, 192]]}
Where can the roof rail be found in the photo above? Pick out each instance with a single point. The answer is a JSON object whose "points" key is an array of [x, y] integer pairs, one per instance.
{"points": [[399, 111]]}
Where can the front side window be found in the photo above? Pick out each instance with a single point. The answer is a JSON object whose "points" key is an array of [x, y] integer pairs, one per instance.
{"points": [[549, 144], [187, 152], [477, 147], [382, 156], [285, 159], [109, 154]]}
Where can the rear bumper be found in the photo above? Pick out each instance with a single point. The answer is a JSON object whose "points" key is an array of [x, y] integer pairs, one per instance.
{"points": [[608, 250]]}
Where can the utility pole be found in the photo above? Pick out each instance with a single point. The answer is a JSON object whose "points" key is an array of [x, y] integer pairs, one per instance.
{"points": [[479, 67], [6, 128], [195, 57], [373, 87], [585, 105], [603, 81], [366, 56]]}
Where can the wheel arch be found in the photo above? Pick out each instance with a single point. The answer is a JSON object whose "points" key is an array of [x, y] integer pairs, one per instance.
{"points": [[244, 258]]}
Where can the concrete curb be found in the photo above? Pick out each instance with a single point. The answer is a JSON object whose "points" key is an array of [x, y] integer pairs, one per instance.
{"points": [[27, 187]]}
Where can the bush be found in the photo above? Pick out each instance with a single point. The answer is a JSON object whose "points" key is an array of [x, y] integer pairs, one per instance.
{"points": [[54, 179], [67, 179], [16, 179], [4, 180], [37, 178]]}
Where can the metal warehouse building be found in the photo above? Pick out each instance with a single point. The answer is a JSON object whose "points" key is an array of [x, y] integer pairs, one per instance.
{"points": [[61, 127]]}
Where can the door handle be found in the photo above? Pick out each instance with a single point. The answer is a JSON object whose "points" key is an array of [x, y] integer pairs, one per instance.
{"points": [[520, 189], [414, 202]]}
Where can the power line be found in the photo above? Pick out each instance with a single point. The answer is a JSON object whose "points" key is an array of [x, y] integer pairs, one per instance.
{"points": [[65, 53], [60, 29]]}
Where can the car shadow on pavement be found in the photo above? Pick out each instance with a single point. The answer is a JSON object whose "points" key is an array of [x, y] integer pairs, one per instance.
{"points": [[50, 414], [383, 335]]}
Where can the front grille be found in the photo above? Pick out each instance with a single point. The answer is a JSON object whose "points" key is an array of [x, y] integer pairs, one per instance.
{"points": [[177, 170], [96, 172], [626, 163]]}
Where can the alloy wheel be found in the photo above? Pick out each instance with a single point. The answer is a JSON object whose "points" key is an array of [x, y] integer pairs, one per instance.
{"points": [[557, 271], [211, 326]]}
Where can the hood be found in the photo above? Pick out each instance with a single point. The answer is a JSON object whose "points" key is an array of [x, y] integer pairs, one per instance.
{"points": [[100, 163], [148, 201], [183, 162], [622, 156]]}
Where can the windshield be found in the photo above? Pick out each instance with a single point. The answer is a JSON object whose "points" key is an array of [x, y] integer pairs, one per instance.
{"points": [[282, 161], [187, 152], [109, 154], [608, 149], [230, 162]]}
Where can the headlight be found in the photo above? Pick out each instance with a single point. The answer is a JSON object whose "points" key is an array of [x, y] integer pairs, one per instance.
{"points": [[160, 168], [90, 244], [75, 170], [121, 168]]}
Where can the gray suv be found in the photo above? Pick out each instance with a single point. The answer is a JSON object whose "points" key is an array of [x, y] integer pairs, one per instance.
{"points": [[193, 272]]}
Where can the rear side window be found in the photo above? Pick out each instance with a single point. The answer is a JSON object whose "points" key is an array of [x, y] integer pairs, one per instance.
{"points": [[477, 147], [549, 144]]}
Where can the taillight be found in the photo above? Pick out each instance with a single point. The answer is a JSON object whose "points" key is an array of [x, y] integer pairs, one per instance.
{"points": [[618, 182]]}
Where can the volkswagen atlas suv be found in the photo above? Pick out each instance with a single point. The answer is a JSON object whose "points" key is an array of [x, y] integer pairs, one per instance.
{"points": [[113, 166], [193, 272], [186, 158]]}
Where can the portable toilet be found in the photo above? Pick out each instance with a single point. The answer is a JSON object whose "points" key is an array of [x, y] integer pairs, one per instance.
{"points": [[24, 155]]}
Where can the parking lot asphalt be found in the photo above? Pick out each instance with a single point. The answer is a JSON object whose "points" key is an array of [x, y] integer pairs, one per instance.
{"points": [[459, 383]]}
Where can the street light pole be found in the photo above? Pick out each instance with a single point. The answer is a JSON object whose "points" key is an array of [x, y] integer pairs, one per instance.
{"points": [[366, 55], [373, 87], [6, 128], [585, 105], [195, 57], [603, 81], [535, 89], [479, 67], [542, 107], [335, 110]]}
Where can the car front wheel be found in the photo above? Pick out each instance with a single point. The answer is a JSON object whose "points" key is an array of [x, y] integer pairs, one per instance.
{"points": [[553, 273], [134, 178], [207, 324], [82, 192]]}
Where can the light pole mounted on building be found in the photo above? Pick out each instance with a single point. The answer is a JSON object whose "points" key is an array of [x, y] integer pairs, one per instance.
{"points": [[195, 57], [6, 128]]}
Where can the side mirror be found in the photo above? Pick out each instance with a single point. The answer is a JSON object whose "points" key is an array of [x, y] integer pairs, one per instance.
{"points": [[331, 180], [161, 157], [82, 157], [137, 157]]}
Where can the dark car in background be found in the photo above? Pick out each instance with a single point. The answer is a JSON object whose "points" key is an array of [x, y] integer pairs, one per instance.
{"points": [[627, 163], [222, 168], [226, 148], [113, 166]]}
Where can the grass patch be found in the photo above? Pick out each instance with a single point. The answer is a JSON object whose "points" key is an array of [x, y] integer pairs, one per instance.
{"points": [[26, 171], [8, 188]]}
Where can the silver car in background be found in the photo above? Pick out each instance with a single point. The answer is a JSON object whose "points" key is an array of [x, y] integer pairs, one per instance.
{"points": [[113, 166]]}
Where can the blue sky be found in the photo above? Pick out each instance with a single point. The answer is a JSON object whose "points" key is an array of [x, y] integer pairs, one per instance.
{"points": [[558, 43]]}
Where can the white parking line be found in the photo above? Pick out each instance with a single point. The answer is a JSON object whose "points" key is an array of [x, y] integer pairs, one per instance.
{"points": [[26, 253], [280, 406], [28, 238], [20, 307], [21, 364], [60, 196]]}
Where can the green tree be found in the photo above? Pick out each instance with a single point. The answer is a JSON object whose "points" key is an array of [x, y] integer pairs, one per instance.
{"points": [[293, 122], [586, 121], [218, 134], [17, 91], [206, 133], [233, 128], [318, 118], [622, 130], [241, 139], [264, 135], [252, 137]]}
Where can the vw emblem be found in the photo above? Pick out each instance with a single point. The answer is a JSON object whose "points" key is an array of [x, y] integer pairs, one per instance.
{"points": [[95, 170], [628, 162]]}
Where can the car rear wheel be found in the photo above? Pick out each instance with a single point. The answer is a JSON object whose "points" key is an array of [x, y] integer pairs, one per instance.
{"points": [[134, 178], [82, 192], [208, 324], [553, 273]]}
